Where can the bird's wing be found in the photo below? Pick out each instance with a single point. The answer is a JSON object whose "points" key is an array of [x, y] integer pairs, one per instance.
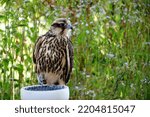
{"points": [[37, 48], [69, 63]]}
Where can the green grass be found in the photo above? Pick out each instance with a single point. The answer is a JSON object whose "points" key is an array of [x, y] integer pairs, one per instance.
{"points": [[111, 46]]}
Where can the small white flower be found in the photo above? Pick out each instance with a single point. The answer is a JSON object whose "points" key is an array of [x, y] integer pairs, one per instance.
{"points": [[95, 33], [110, 55], [87, 76], [73, 69], [147, 43], [87, 31], [76, 87], [126, 64], [21, 10], [56, 14], [123, 84], [91, 92], [107, 17], [20, 18], [132, 85], [112, 23], [82, 23], [78, 15], [102, 11], [83, 73], [125, 10]]}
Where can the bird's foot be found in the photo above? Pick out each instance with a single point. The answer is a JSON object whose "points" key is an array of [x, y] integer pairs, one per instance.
{"points": [[41, 80]]}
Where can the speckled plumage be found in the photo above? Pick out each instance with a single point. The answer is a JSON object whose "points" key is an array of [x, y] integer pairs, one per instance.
{"points": [[53, 54]]}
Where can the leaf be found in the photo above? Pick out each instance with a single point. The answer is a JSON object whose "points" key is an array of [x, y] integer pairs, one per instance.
{"points": [[19, 68], [5, 62], [2, 17]]}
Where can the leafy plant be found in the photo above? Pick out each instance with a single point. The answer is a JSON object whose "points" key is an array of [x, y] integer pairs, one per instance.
{"points": [[110, 38]]}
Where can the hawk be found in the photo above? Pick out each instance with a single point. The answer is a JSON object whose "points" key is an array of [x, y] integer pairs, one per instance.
{"points": [[53, 54]]}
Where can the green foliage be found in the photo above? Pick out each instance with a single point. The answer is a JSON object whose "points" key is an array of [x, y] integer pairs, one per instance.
{"points": [[110, 38]]}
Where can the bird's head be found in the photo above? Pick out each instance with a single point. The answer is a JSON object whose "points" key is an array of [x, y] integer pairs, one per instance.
{"points": [[62, 26]]}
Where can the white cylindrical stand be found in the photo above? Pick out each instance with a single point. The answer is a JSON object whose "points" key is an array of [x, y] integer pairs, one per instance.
{"points": [[45, 92]]}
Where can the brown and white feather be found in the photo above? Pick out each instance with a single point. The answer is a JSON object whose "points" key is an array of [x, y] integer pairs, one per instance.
{"points": [[53, 57]]}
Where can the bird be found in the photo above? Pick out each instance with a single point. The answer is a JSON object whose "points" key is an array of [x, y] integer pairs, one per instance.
{"points": [[53, 54]]}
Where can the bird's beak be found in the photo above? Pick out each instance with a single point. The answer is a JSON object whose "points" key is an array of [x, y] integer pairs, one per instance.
{"points": [[69, 27]]}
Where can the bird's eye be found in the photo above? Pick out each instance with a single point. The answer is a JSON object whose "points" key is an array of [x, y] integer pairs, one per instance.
{"points": [[61, 25]]}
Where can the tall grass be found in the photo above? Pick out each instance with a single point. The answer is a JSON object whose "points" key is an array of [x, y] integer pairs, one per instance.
{"points": [[111, 46]]}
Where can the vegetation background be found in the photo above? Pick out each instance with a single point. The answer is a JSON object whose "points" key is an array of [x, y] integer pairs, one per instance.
{"points": [[111, 41]]}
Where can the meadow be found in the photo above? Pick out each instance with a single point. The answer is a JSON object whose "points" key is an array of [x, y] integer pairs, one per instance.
{"points": [[111, 40]]}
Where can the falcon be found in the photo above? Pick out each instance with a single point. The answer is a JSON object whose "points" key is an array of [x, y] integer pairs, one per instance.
{"points": [[53, 54]]}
